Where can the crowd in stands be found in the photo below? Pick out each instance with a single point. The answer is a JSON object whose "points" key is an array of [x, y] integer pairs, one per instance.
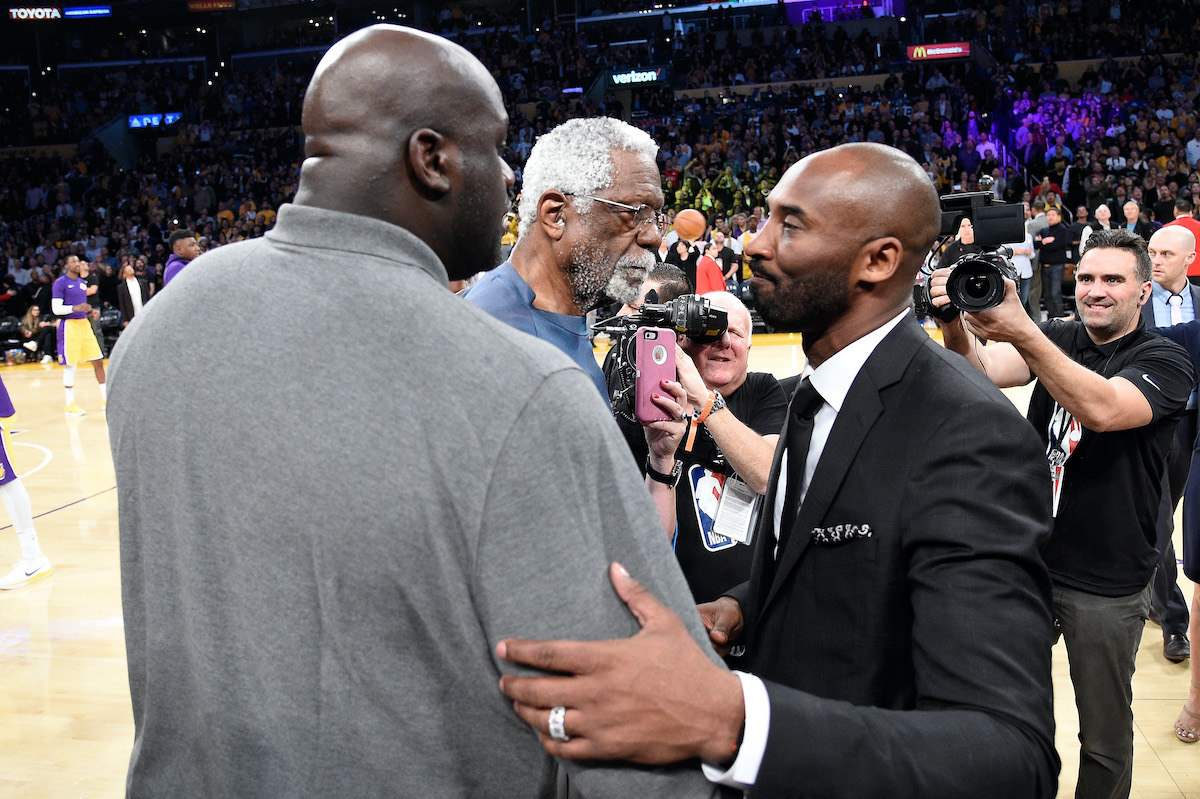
{"points": [[1126, 130]]}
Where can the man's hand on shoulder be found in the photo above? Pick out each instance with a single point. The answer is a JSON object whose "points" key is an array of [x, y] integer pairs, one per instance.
{"points": [[654, 698]]}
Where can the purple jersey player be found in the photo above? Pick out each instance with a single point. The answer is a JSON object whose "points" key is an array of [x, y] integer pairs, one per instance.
{"points": [[76, 340], [33, 565]]}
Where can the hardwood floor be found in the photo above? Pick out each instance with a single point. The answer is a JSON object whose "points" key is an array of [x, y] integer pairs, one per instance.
{"points": [[65, 722]]}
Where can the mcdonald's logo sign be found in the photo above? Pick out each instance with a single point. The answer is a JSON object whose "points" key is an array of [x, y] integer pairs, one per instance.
{"points": [[929, 52]]}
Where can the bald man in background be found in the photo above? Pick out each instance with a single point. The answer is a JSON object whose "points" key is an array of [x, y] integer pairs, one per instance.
{"points": [[896, 622], [315, 565], [1173, 300]]}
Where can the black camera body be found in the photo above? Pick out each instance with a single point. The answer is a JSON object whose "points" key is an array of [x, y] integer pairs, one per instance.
{"points": [[688, 315], [976, 280]]}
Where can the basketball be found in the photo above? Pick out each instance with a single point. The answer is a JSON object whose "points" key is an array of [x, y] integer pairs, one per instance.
{"points": [[690, 224]]}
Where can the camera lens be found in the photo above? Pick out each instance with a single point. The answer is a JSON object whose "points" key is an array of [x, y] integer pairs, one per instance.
{"points": [[975, 285]]}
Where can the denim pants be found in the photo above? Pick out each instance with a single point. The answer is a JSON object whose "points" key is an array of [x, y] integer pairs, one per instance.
{"points": [[1052, 278], [1102, 636], [1023, 289]]}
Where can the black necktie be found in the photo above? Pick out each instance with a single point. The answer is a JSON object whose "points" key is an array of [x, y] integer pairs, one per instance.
{"points": [[803, 407]]}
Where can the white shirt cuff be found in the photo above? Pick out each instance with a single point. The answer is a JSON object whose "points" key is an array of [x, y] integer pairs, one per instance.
{"points": [[744, 770]]}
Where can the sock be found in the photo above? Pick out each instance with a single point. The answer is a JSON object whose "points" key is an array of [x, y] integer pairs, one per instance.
{"points": [[104, 392], [20, 510], [69, 383]]}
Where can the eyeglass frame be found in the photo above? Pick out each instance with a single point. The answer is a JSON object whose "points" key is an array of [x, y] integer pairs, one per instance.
{"points": [[657, 217]]}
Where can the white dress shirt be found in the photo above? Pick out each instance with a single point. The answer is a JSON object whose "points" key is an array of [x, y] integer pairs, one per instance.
{"points": [[832, 380]]}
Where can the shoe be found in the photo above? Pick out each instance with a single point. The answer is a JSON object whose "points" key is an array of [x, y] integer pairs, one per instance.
{"points": [[1186, 727], [25, 571], [47, 359], [74, 410], [30, 345], [1176, 647]]}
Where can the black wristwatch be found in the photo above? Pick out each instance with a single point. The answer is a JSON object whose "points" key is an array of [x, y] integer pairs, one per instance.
{"points": [[671, 479]]}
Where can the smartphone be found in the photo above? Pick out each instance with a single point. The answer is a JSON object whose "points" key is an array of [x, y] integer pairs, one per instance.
{"points": [[654, 361]]}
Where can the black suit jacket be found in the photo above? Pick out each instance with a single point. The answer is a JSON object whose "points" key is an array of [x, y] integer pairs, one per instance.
{"points": [[125, 302], [938, 608], [1148, 307]]}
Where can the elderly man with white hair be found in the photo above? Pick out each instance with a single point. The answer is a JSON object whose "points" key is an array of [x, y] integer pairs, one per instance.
{"points": [[590, 220]]}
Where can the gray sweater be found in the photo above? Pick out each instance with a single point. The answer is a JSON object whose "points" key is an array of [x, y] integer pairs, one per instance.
{"points": [[319, 554]]}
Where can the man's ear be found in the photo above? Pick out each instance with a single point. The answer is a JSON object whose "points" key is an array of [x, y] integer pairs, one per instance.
{"points": [[433, 159], [879, 259], [551, 208]]}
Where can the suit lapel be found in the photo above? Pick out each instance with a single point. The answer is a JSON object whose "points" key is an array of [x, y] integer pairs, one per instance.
{"points": [[859, 413]]}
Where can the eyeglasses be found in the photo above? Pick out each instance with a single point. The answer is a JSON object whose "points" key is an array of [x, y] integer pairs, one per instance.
{"points": [[642, 214]]}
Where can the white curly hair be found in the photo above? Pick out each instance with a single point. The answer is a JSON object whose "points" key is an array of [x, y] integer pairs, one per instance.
{"points": [[576, 158]]}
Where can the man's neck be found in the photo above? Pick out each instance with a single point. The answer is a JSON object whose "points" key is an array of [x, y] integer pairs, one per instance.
{"points": [[821, 345], [1178, 286], [548, 280]]}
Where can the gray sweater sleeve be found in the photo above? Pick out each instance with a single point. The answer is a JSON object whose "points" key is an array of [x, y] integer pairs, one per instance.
{"points": [[565, 500]]}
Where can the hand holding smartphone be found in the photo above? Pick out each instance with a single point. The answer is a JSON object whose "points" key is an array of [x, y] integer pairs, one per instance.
{"points": [[654, 361]]}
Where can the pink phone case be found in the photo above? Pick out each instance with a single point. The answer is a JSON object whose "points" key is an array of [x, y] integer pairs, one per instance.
{"points": [[655, 362]]}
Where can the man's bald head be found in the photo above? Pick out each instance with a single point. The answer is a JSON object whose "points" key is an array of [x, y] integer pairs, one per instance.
{"points": [[848, 230], [1172, 250], [407, 127], [882, 191], [384, 82]]}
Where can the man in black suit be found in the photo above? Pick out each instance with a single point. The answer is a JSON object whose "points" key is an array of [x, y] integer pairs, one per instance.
{"points": [[1173, 300], [132, 293], [1109, 394], [899, 633]]}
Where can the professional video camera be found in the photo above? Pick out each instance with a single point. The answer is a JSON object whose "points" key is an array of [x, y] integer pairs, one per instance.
{"points": [[976, 280], [688, 315]]}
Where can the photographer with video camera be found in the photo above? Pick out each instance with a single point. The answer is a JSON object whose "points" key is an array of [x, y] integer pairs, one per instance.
{"points": [[721, 454], [1107, 400]]}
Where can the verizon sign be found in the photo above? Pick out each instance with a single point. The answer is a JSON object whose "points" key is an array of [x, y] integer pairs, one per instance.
{"points": [[46, 12]]}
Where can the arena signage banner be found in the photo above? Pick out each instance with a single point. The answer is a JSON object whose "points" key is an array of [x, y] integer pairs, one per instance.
{"points": [[211, 5], [638, 77], [77, 12], [930, 52], [35, 12]]}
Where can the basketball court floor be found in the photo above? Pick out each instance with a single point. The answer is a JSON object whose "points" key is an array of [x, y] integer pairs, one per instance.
{"points": [[65, 722]]}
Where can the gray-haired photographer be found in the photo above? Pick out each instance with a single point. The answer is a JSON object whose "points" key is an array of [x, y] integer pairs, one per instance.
{"points": [[1108, 396], [723, 459]]}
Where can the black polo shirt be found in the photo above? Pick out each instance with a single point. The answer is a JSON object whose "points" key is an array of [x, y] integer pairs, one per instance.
{"points": [[1107, 486], [711, 562]]}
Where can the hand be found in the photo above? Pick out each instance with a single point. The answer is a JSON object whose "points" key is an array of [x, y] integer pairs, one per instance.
{"points": [[723, 619], [1006, 322], [689, 378], [1047, 240], [663, 437], [652, 698], [82, 307], [937, 287]]}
